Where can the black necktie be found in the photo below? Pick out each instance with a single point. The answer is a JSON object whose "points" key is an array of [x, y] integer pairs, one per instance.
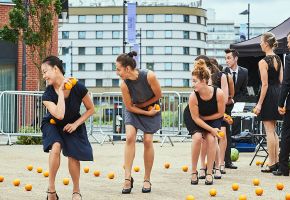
{"points": [[234, 78]]}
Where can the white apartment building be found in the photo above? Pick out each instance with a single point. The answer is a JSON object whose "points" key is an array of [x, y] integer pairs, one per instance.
{"points": [[172, 35]]}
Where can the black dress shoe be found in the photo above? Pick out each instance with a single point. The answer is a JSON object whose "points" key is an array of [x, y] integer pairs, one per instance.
{"points": [[146, 190], [231, 166], [280, 173], [128, 190]]}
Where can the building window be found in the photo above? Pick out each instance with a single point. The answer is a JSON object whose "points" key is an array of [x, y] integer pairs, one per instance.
{"points": [[64, 50], [65, 35], [168, 82], [198, 51], [186, 18], [150, 66], [82, 66], [149, 34], [99, 82], [116, 50], [168, 34], [82, 18], [168, 66], [114, 67], [149, 18], [185, 66], [149, 50], [115, 18], [99, 34], [115, 34], [198, 19], [99, 18], [168, 50], [198, 35], [185, 82], [82, 51], [186, 50], [115, 82], [168, 18], [82, 34], [99, 50], [99, 66], [82, 81], [185, 34]]}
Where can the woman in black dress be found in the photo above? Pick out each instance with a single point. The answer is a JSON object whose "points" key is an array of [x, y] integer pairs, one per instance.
{"points": [[203, 117], [63, 127], [271, 72]]}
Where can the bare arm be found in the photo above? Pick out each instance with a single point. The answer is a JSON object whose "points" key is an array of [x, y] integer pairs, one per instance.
{"points": [[281, 74], [225, 87], [263, 67]]}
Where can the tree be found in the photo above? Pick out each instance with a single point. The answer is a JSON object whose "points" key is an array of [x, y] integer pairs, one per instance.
{"points": [[33, 23]]}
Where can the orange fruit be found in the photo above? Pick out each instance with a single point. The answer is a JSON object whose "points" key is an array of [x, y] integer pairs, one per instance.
{"points": [[136, 168], [1, 178], [29, 167], [157, 107], [166, 165], [16, 182], [65, 181], [185, 168], [221, 134], [68, 85], [150, 108], [97, 173], [190, 197], [256, 182], [280, 186], [212, 192], [52, 121], [46, 174], [259, 191], [73, 81], [235, 186], [28, 187], [258, 162], [86, 169], [230, 120], [111, 175], [242, 197], [287, 197], [39, 170], [254, 110]]}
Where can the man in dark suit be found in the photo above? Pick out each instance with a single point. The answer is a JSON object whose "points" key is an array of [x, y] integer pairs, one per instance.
{"points": [[285, 139], [240, 78]]}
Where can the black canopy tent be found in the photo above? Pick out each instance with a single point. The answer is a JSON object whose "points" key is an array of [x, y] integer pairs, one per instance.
{"points": [[250, 52]]}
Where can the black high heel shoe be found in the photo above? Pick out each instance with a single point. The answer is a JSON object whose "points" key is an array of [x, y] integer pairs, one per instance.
{"points": [[207, 182], [271, 168], [128, 190], [50, 193], [146, 190], [215, 174], [194, 182], [202, 177]]}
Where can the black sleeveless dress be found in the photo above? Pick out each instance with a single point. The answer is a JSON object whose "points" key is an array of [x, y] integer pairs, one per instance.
{"points": [[269, 110], [205, 108]]}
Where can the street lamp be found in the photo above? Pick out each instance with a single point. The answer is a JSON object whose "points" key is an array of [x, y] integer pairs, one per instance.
{"points": [[140, 46], [247, 12], [124, 26]]}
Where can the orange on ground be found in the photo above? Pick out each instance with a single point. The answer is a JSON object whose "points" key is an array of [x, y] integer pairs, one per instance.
{"points": [[52, 121], [65, 181], [28, 187], [259, 191], [287, 197], [258, 162], [235, 186], [111, 175], [86, 169], [190, 197], [16, 182], [242, 197], [166, 165], [136, 168], [68, 85], [256, 182], [1, 178], [185, 168], [280, 186], [97, 173], [46, 174], [29, 167], [212, 192], [39, 170]]}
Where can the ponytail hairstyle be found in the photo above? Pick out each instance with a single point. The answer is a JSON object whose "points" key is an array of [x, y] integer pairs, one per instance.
{"points": [[54, 61], [270, 39], [127, 59], [200, 70]]}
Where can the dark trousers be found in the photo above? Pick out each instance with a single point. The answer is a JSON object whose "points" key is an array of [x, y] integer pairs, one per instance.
{"points": [[285, 144], [229, 139]]}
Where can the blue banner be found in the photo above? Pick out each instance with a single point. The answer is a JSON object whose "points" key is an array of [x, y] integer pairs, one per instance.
{"points": [[131, 13], [136, 48]]}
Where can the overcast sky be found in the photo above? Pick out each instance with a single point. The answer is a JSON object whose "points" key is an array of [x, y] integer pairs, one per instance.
{"points": [[271, 12]]}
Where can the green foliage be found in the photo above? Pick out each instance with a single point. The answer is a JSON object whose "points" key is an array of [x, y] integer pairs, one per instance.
{"points": [[27, 140]]}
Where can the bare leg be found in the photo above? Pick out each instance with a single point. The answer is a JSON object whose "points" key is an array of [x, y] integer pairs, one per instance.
{"points": [[74, 170], [195, 151], [271, 141], [202, 157], [54, 162], [223, 147], [129, 153], [217, 160], [148, 157], [211, 152]]}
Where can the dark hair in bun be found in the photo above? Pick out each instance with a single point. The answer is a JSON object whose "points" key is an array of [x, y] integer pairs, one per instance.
{"points": [[54, 61], [200, 70], [127, 59]]}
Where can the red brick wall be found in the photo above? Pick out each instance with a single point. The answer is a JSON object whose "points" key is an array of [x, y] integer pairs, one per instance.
{"points": [[32, 78]]}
